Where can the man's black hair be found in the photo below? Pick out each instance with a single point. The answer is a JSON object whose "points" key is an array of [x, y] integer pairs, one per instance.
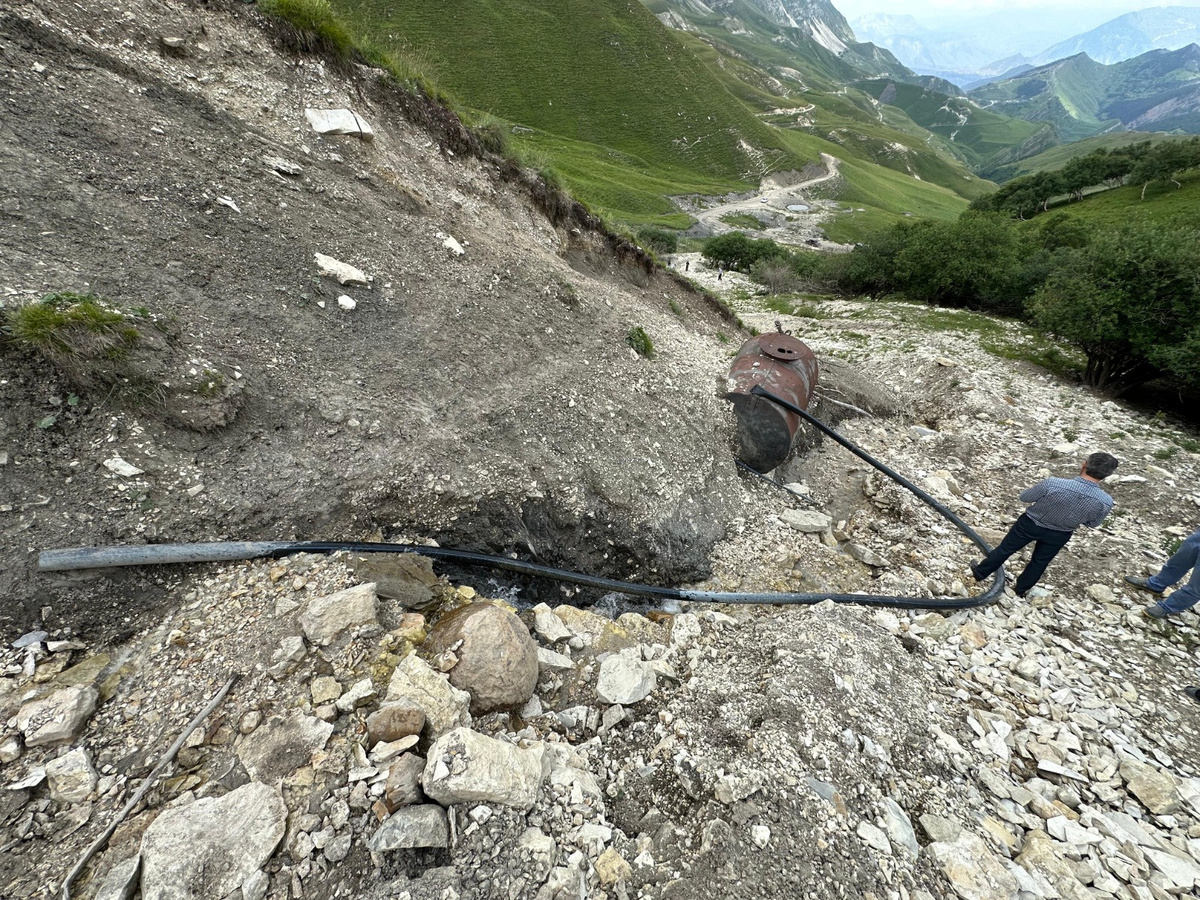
{"points": [[1101, 465]]}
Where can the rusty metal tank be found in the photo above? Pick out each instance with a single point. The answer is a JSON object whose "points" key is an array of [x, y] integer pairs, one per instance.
{"points": [[786, 367]]}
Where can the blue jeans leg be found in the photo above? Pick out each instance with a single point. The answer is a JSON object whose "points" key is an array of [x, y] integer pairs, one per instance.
{"points": [[1177, 566]]}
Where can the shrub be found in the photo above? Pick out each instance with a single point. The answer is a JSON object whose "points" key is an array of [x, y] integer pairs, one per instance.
{"points": [[1131, 302], [736, 251], [658, 240], [775, 274], [640, 341]]}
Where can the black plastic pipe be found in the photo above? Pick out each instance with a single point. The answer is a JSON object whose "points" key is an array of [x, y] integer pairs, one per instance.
{"points": [[155, 554]]}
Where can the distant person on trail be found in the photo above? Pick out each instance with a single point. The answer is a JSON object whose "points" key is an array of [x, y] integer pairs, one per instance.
{"points": [[720, 272], [687, 265], [1177, 566], [1059, 506]]}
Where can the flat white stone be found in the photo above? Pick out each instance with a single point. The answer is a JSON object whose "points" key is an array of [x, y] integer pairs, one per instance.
{"points": [[343, 272], [338, 121], [122, 468]]}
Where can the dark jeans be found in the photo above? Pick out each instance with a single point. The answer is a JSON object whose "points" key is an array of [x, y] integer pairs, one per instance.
{"points": [[1025, 531]]}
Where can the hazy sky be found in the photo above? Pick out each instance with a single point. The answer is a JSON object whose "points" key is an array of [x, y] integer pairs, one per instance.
{"points": [[1097, 10]]}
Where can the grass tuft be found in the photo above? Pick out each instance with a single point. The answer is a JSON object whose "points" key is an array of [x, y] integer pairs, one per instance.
{"points": [[313, 27], [640, 342], [67, 324]]}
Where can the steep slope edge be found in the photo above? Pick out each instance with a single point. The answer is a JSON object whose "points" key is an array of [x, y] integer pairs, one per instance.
{"points": [[487, 399]]}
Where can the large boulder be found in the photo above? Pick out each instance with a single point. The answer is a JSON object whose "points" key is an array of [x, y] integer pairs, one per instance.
{"points": [[497, 657], [209, 848]]}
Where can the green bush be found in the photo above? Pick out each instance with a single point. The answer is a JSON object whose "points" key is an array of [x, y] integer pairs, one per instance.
{"points": [[640, 342], [1130, 301], [658, 240], [738, 252]]}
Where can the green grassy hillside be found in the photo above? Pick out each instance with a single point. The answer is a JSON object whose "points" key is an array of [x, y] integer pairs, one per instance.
{"points": [[1163, 203], [974, 134], [629, 113], [600, 82], [1057, 157]]}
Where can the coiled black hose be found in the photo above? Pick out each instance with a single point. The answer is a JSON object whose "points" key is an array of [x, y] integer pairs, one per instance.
{"points": [[157, 554]]}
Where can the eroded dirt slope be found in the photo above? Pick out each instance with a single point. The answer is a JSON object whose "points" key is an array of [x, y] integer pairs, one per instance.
{"points": [[488, 398]]}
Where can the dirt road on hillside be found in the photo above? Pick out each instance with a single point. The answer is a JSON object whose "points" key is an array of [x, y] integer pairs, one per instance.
{"points": [[786, 212]]}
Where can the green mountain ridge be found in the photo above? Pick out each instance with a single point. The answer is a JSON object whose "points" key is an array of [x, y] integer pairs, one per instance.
{"points": [[1157, 91]]}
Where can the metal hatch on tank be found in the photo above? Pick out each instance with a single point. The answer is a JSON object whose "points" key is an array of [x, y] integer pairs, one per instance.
{"points": [[786, 367]]}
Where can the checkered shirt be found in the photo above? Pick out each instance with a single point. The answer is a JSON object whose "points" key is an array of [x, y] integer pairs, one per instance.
{"points": [[1064, 504]]}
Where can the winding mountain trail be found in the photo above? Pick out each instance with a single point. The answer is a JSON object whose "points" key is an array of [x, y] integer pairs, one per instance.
{"points": [[786, 213]]}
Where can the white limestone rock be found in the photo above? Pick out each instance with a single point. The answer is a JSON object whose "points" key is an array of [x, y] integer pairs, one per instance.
{"points": [[339, 121], [281, 745], [71, 777], [57, 717], [212, 846], [466, 767], [973, 870], [343, 272], [121, 881], [807, 521], [549, 627], [425, 825], [445, 706], [624, 680], [1157, 790], [324, 619]]}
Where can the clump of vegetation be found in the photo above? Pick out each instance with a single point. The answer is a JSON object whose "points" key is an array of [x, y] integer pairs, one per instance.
{"points": [[493, 135], [637, 338], [660, 241], [742, 220], [314, 26], [1126, 297], [676, 308], [1165, 452], [1143, 163], [128, 357], [67, 327]]}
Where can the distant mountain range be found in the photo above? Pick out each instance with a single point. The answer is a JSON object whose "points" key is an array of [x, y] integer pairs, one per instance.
{"points": [[964, 51], [1080, 97], [1166, 28]]}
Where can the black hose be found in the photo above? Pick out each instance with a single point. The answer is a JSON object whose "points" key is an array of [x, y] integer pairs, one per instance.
{"points": [[91, 558]]}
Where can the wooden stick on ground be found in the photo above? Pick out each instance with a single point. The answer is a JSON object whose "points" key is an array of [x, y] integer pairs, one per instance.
{"points": [[141, 792]]}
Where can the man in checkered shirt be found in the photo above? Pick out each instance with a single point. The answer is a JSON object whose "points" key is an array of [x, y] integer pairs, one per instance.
{"points": [[1059, 506]]}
